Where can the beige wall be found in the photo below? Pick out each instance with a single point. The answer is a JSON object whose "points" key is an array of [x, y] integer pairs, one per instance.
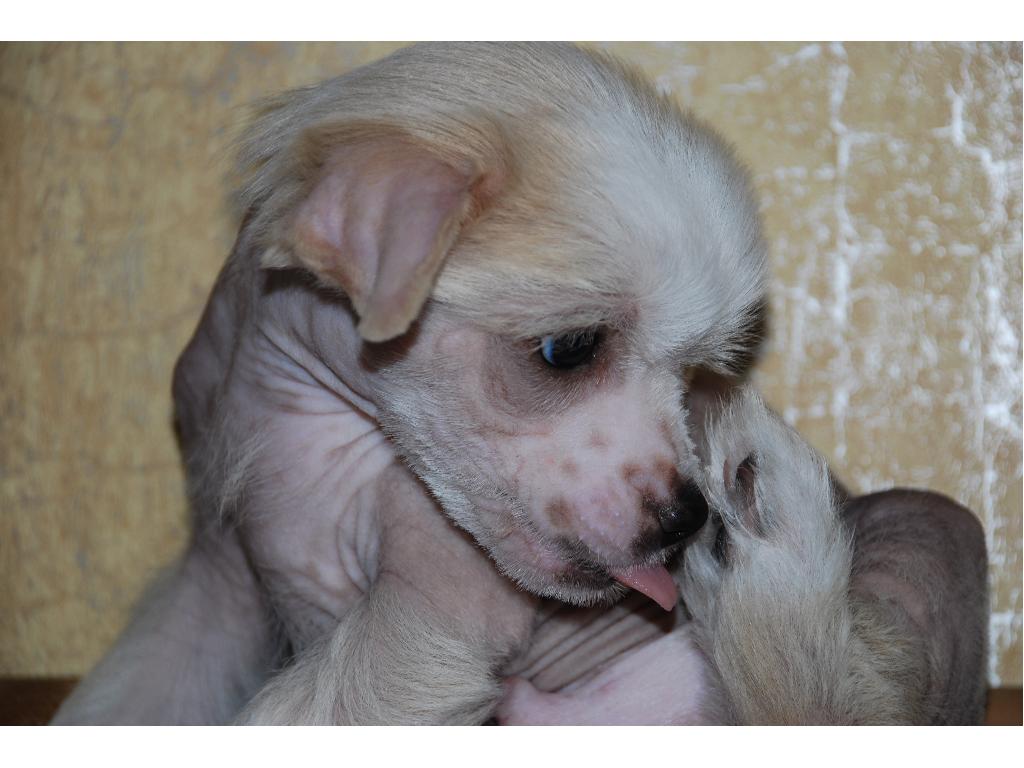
{"points": [[891, 181]]}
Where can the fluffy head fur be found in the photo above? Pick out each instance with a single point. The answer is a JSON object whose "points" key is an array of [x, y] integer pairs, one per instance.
{"points": [[555, 191]]}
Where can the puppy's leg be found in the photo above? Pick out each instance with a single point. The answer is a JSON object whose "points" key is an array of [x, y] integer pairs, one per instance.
{"points": [[199, 645], [875, 616], [771, 608], [390, 661], [423, 644], [920, 565]]}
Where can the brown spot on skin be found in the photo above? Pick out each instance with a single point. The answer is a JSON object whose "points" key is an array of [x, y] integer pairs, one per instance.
{"points": [[597, 440], [666, 470], [659, 486], [632, 474], [569, 468], [558, 513]]}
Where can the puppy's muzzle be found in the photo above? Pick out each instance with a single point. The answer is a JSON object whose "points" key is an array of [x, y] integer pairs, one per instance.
{"points": [[684, 516]]}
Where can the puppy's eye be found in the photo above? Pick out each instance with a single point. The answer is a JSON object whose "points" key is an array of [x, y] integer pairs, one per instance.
{"points": [[570, 349]]}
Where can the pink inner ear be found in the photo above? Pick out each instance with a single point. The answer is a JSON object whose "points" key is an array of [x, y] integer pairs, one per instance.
{"points": [[379, 223], [418, 204]]}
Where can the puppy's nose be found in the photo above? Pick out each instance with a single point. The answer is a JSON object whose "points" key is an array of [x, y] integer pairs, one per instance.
{"points": [[685, 516]]}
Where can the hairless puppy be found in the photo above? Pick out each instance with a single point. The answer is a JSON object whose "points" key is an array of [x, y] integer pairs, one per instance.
{"points": [[448, 381]]}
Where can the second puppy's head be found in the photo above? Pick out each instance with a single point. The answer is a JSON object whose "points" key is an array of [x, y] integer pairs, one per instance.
{"points": [[539, 251]]}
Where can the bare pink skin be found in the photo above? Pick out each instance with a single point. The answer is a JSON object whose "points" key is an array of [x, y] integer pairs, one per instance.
{"points": [[664, 682], [585, 475]]}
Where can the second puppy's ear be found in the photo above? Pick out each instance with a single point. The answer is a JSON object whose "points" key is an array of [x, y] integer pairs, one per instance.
{"points": [[378, 221]]}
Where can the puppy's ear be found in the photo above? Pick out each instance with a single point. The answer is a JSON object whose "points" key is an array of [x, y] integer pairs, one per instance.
{"points": [[378, 220]]}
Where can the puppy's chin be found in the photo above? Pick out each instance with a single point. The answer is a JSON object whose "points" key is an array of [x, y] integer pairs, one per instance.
{"points": [[564, 572], [544, 569], [573, 584]]}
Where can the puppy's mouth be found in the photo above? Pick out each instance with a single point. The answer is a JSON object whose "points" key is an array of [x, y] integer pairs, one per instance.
{"points": [[653, 580], [565, 568]]}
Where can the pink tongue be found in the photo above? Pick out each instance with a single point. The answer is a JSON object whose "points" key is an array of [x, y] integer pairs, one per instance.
{"points": [[655, 582]]}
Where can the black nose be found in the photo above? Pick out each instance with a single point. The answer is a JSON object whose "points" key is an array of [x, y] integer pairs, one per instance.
{"points": [[685, 516]]}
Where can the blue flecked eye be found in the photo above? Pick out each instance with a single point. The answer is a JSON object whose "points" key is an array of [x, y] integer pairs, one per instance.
{"points": [[547, 349], [569, 349]]}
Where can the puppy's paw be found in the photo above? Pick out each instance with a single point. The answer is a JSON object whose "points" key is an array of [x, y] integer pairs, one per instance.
{"points": [[767, 484], [774, 522]]}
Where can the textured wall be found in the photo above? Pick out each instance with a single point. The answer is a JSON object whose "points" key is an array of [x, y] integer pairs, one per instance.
{"points": [[891, 182]]}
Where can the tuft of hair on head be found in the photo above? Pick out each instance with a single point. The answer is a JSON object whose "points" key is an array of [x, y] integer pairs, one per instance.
{"points": [[510, 159]]}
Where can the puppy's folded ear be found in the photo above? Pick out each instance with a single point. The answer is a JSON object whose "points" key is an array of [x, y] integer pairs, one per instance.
{"points": [[380, 215]]}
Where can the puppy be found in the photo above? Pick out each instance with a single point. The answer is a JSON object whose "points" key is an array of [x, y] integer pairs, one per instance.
{"points": [[472, 277], [443, 374]]}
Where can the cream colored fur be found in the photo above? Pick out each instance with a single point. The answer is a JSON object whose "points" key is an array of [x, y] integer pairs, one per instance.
{"points": [[791, 642]]}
